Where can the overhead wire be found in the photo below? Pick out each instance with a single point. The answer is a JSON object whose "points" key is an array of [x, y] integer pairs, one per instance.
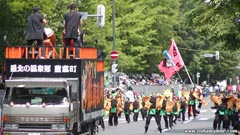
{"points": [[201, 50]]}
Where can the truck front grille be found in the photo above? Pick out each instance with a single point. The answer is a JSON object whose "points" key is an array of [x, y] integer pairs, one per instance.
{"points": [[25, 120], [34, 126]]}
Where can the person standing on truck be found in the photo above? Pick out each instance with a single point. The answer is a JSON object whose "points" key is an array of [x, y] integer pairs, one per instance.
{"points": [[113, 112], [35, 29], [72, 24]]}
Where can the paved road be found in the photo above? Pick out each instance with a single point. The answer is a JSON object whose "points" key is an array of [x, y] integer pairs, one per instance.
{"points": [[202, 123]]}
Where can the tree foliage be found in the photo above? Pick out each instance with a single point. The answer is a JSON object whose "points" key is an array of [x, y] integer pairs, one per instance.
{"points": [[219, 19], [205, 30]]}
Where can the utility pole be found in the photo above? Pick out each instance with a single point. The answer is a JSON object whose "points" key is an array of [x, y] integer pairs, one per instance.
{"points": [[113, 38]]}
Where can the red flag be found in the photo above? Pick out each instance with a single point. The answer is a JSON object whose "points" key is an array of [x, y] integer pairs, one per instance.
{"points": [[175, 55], [168, 71], [166, 67]]}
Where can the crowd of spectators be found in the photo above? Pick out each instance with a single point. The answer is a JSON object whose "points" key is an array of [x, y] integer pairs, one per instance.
{"points": [[153, 79], [125, 82]]}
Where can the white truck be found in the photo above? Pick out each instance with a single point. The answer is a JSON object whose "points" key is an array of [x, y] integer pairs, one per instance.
{"points": [[52, 96]]}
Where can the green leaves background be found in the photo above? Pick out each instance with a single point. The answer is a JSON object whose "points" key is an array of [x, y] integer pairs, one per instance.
{"points": [[143, 31]]}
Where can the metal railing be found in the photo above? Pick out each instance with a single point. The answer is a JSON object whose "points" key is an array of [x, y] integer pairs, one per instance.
{"points": [[51, 52]]}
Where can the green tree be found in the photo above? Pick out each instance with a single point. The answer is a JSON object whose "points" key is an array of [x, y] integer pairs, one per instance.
{"points": [[219, 19], [142, 30], [195, 43]]}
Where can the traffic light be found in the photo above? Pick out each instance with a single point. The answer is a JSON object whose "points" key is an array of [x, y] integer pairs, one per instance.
{"points": [[114, 68], [198, 74], [217, 55], [101, 16]]}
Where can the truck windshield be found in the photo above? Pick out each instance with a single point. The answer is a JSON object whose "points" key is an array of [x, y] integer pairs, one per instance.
{"points": [[36, 95]]}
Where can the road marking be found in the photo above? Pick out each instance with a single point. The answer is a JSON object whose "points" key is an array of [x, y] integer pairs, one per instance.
{"points": [[203, 119], [214, 111], [202, 111], [187, 121], [122, 120], [164, 130]]}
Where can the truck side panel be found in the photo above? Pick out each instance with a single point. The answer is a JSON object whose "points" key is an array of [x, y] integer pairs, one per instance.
{"points": [[92, 87], [65, 68]]}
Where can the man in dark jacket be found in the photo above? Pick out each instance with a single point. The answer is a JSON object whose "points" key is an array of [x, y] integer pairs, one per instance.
{"points": [[72, 23], [35, 29]]}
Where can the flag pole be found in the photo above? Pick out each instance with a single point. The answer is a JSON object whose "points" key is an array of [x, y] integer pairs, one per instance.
{"points": [[188, 75], [183, 63], [180, 77]]}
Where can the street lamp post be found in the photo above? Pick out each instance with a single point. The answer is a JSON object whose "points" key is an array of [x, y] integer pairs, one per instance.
{"points": [[113, 24], [208, 76], [113, 38]]}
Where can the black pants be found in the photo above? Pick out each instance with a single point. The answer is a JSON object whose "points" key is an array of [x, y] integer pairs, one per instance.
{"points": [[234, 119], [226, 122], [101, 122], [39, 43], [193, 109], [217, 121], [127, 116], [143, 113], [76, 45], [111, 117], [175, 117], [200, 105], [135, 116], [167, 121], [170, 120], [182, 115], [149, 117]]}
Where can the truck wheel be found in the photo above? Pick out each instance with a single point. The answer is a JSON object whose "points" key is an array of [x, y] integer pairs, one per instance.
{"points": [[74, 130], [85, 128], [89, 128], [93, 128]]}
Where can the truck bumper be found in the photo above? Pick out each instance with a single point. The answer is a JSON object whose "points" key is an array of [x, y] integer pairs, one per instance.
{"points": [[37, 133]]}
